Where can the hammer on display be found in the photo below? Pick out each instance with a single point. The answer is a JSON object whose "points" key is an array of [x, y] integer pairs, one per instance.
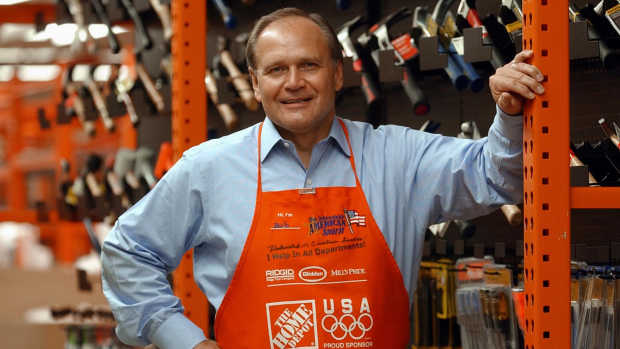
{"points": [[406, 55], [225, 110], [423, 20], [447, 30], [240, 82], [124, 164], [163, 12], [468, 17], [143, 167], [108, 123], [94, 164], [74, 101], [144, 41], [226, 14], [365, 65], [123, 84], [114, 183], [102, 15], [77, 12]]}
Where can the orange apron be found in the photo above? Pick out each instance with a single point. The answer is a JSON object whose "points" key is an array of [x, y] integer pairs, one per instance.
{"points": [[315, 272]]}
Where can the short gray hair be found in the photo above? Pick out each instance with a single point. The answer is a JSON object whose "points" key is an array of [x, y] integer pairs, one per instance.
{"points": [[264, 21]]}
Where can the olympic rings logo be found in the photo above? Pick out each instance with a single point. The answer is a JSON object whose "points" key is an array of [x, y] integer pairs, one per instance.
{"points": [[356, 328]]}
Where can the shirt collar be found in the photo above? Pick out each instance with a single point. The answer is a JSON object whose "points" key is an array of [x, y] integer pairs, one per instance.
{"points": [[270, 137]]}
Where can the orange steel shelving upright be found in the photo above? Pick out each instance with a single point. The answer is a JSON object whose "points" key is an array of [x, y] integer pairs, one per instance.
{"points": [[548, 197], [546, 179], [189, 125]]}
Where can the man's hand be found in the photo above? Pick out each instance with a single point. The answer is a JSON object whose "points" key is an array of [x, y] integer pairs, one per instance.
{"points": [[208, 344], [515, 82]]}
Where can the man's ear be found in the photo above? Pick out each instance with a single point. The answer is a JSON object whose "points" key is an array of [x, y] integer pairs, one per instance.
{"points": [[338, 76], [254, 80]]}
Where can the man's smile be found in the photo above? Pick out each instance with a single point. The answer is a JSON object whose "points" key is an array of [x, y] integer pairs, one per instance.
{"points": [[296, 101]]}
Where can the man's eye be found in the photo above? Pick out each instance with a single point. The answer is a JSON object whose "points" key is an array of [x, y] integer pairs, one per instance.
{"points": [[276, 70], [309, 65]]}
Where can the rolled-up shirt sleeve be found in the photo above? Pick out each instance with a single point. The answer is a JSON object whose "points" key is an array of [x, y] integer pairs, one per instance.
{"points": [[463, 179], [146, 243]]}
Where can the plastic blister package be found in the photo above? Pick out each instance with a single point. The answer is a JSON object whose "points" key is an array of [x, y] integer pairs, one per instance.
{"points": [[485, 309], [595, 307]]}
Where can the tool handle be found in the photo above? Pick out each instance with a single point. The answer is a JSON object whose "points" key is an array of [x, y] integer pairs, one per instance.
{"points": [[225, 13], [239, 81], [476, 82], [87, 125], [370, 87], [145, 40], [513, 214], [456, 74], [149, 85], [414, 92], [114, 183], [108, 123], [575, 161], [225, 110], [131, 110], [103, 17], [93, 186], [164, 16]]}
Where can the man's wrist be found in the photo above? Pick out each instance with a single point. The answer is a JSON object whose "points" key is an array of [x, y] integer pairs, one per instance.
{"points": [[503, 113], [177, 332]]}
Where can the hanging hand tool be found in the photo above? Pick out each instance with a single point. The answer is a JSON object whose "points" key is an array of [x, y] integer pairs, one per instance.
{"points": [[163, 12], [143, 167], [447, 30], [423, 21], [108, 123], [74, 102], [123, 84], [229, 19], [144, 41], [77, 12], [124, 164], [224, 61], [503, 49], [406, 55], [102, 15], [225, 110], [365, 65]]}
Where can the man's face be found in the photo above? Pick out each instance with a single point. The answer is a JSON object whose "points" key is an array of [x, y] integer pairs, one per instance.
{"points": [[295, 77]]}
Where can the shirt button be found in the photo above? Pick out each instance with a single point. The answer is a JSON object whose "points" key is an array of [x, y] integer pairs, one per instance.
{"points": [[308, 182], [286, 144]]}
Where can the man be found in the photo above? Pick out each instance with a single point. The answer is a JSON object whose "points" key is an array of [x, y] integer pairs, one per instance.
{"points": [[307, 228]]}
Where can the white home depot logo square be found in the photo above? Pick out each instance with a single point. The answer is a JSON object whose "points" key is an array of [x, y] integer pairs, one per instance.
{"points": [[292, 325]]}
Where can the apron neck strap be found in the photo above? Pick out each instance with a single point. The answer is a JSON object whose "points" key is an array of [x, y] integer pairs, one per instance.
{"points": [[351, 158]]}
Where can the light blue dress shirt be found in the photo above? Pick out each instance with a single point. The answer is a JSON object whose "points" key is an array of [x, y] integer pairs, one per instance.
{"points": [[411, 180]]}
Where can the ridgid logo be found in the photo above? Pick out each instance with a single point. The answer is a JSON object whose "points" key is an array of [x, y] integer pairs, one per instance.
{"points": [[292, 325]]}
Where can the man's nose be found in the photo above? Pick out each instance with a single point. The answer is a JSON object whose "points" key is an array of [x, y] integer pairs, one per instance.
{"points": [[294, 79]]}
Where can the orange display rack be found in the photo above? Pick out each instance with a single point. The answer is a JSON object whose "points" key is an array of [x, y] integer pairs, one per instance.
{"points": [[548, 197], [189, 126]]}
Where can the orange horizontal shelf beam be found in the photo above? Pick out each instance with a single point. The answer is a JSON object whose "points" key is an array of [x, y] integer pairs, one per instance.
{"points": [[25, 216], [27, 13], [595, 197]]}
